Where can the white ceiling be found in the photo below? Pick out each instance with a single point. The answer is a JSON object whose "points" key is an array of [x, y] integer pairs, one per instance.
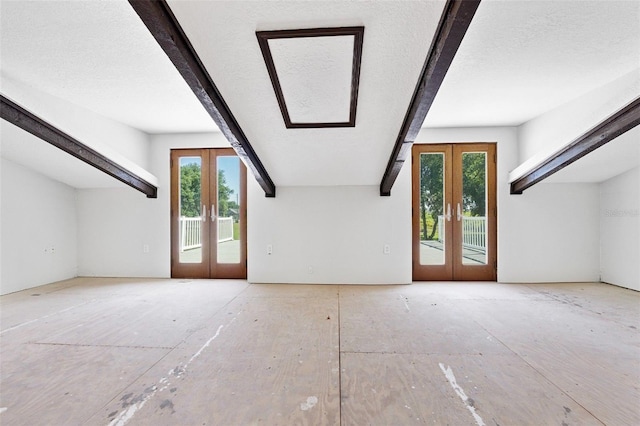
{"points": [[397, 36], [519, 59], [616, 157], [23, 148], [303, 64], [99, 55], [522, 58]]}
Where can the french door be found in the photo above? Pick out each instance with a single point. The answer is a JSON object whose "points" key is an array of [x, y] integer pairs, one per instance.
{"points": [[208, 214], [454, 212]]}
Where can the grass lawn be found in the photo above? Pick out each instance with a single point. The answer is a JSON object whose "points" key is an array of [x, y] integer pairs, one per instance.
{"points": [[236, 231], [430, 223]]}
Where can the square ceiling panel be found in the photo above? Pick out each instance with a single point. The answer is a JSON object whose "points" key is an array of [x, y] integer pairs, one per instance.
{"points": [[315, 74]]}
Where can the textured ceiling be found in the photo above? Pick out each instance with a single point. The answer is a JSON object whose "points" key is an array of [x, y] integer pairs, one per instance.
{"points": [[97, 54], [315, 77], [397, 36], [23, 148], [518, 60], [522, 58], [616, 157]]}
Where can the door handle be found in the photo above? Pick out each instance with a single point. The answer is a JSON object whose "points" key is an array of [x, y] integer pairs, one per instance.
{"points": [[459, 214], [204, 213], [213, 213], [448, 215]]}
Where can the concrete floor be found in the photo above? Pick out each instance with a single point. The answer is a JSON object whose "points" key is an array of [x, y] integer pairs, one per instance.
{"points": [[432, 253], [228, 252], [203, 352]]}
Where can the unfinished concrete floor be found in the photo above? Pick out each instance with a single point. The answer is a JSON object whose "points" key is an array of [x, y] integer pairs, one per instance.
{"points": [[203, 352]]}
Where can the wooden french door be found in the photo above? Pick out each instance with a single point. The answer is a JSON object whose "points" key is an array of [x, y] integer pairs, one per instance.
{"points": [[454, 212], [208, 214]]}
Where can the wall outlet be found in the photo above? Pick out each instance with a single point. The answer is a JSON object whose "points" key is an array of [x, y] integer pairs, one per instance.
{"points": [[145, 248], [310, 270], [269, 249], [386, 249]]}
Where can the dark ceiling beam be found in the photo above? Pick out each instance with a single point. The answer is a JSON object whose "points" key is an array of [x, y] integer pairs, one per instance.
{"points": [[613, 126], [455, 21], [17, 115], [163, 25]]}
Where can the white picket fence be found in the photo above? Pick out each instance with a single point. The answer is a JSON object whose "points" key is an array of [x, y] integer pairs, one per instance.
{"points": [[474, 232], [191, 231], [190, 235], [225, 229]]}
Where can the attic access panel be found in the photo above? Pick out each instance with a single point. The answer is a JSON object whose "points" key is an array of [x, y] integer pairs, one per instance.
{"points": [[315, 74]]}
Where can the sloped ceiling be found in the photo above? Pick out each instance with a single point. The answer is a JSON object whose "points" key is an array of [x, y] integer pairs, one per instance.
{"points": [[397, 36], [522, 58], [518, 60], [23, 148], [98, 55]]}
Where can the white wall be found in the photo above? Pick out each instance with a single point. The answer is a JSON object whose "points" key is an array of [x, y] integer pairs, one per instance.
{"points": [[553, 234], [548, 234], [340, 231], [620, 230], [115, 224], [39, 231], [331, 235], [566, 247]]}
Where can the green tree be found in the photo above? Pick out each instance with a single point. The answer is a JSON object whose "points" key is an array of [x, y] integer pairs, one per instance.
{"points": [[431, 196], [224, 191], [190, 189], [473, 183]]}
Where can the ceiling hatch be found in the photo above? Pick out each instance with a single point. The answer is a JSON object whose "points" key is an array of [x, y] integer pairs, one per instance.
{"points": [[315, 74]]}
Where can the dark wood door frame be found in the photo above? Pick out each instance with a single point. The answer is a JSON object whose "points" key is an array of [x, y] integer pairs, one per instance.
{"points": [[453, 269], [209, 267], [488, 272]]}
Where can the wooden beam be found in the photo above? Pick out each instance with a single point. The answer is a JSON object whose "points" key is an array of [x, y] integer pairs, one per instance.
{"points": [[453, 25], [17, 115], [613, 126], [164, 27]]}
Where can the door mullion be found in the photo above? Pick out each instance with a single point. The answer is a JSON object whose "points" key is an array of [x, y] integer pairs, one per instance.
{"points": [[213, 206], [449, 191], [458, 210]]}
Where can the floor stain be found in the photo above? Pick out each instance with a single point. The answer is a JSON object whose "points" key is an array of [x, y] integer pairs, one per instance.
{"points": [[167, 403]]}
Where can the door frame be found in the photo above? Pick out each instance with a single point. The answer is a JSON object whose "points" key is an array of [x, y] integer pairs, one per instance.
{"points": [[209, 267], [453, 268]]}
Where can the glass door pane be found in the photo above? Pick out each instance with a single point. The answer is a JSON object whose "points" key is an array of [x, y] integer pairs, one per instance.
{"points": [[190, 228], [473, 210], [228, 209], [432, 209]]}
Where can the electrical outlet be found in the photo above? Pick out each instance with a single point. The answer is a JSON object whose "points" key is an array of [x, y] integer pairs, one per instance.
{"points": [[269, 249], [386, 249], [145, 248], [310, 270]]}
